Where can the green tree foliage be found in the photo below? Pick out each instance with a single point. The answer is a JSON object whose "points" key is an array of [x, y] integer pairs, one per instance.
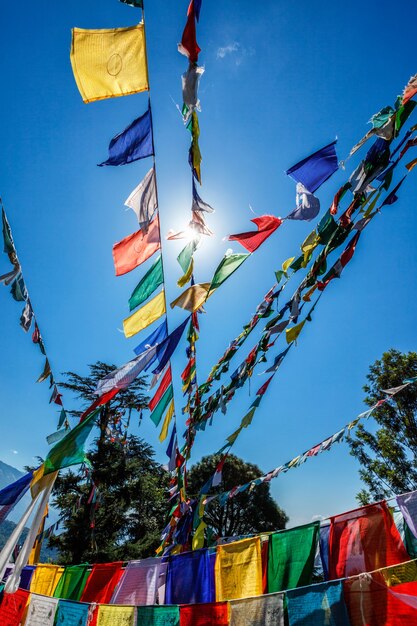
{"points": [[131, 505], [388, 454], [252, 511], [127, 518]]}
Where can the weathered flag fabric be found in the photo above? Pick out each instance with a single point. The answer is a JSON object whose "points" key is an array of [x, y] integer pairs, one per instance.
{"points": [[133, 143], [143, 200], [109, 62]]}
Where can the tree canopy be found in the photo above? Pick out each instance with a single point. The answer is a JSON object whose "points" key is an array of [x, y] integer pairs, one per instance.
{"points": [[252, 511], [388, 453]]}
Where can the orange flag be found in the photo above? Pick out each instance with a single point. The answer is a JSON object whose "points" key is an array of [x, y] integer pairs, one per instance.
{"points": [[136, 249]]}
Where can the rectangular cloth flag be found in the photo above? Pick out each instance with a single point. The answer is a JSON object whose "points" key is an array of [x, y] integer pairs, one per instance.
{"points": [[12, 607], [72, 613], [139, 583], [189, 46], [227, 266], [408, 507], [154, 339], [135, 249], [41, 611], [102, 582], [115, 616], [70, 450], [266, 224], [166, 349], [193, 297], [158, 615], [364, 540], [266, 610], [162, 405], [317, 605], [315, 169], [205, 614], [143, 200], [26, 576], [145, 316], [238, 570], [190, 578], [45, 579], [109, 62], [308, 206], [291, 557], [12, 494], [190, 83], [410, 89], [123, 376], [163, 386], [133, 143], [72, 582]]}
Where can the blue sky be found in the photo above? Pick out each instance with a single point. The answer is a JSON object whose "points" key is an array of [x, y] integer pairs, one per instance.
{"points": [[282, 79]]}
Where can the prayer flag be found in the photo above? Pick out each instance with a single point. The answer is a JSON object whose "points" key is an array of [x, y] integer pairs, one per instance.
{"points": [[167, 420], [136, 248], [158, 615], [18, 289], [172, 450], [408, 507], [266, 610], [45, 579], [145, 316], [238, 570], [291, 334], [315, 169], [115, 615], [139, 583], [227, 266], [162, 405], [165, 383], [72, 582], [266, 224], [26, 317], [205, 614], [317, 605], [46, 372], [194, 154], [308, 206], [72, 613], [133, 143], [155, 338], [291, 557], [364, 540], [185, 256], [12, 494], [70, 450], [166, 349], [123, 376], [41, 611], [13, 607], [198, 204], [190, 82], [189, 46], [109, 62], [410, 89], [193, 298], [102, 582], [143, 200], [189, 578]]}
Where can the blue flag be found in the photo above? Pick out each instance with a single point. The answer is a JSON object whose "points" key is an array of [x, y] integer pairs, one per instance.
{"points": [[133, 143], [158, 336], [315, 169], [166, 349]]}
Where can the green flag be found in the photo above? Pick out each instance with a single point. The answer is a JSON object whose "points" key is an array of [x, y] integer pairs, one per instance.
{"points": [[151, 281], [291, 557], [70, 450], [72, 582], [162, 406], [186, 254], [158, 615], [229, 264]]}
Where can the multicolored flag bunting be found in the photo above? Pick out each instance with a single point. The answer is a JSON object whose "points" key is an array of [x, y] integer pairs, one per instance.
{"points": [[133, 143], [109, 62]]}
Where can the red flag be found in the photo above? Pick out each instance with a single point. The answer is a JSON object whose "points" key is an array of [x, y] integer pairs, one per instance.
{"points": [[262, 390], [267, 224], [165, 383], [189, 46], [106, 397], [349, 251], [136, 249], [410, 89]]}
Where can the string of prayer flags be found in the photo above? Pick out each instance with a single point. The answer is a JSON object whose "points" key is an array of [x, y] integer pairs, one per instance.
{"points": [[266, 225], [315, 169], [189, 46], [135, 249], [145, 316], [307, 205], [227, 266], [153, 279], [133, 143], [291, 555], [109, 62], [144, 200], [238, 570]]}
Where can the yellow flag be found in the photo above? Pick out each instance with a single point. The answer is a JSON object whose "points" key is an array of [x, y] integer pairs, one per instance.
{"points": [[291, 334], [35, 553], [238, 570], [198, 539], [287, 263], [115, 615], [193, 298], [167, 421], [187, 276], [45, 579], [149, 313], [40, 481], [109, 62]]}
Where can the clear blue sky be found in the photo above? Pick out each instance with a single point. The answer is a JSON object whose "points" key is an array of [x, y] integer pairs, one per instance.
{"points": [[282, 79]]}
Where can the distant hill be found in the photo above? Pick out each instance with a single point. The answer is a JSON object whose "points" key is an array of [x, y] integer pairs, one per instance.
{"points": [[47, 554]]}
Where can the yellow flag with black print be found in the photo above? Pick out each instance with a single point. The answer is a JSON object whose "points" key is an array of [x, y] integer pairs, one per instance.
{"points": [[109, 62]]}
